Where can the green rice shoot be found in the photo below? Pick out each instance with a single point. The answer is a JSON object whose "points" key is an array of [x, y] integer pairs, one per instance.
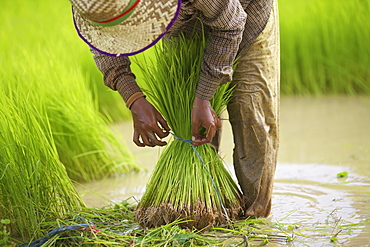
{"points": [[34, 185], [50, 69]]}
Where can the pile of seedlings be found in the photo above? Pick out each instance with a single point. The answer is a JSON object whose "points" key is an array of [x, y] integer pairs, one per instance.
{"points": [[115, 225]]}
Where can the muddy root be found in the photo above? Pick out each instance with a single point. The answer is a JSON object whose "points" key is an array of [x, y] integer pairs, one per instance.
{"points": [[197, 217]]}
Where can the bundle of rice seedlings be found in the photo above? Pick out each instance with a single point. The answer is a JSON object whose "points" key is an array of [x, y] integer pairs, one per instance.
{"points": [[189, 182]]}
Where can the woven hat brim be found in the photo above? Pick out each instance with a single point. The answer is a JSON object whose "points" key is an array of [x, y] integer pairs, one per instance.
{"points": [[144, 28]]}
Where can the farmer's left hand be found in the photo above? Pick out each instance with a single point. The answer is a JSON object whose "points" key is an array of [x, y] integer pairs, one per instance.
{"points": [[203, 115]]}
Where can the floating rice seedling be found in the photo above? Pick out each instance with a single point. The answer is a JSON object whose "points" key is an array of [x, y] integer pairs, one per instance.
{"points": [[188, 182]]}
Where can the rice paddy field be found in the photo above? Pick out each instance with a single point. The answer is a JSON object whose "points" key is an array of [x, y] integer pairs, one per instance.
{"points": [[324, 47], [56, 133]]}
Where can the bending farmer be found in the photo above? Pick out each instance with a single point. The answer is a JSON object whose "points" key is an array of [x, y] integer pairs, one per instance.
{"points": [[243, 29]]}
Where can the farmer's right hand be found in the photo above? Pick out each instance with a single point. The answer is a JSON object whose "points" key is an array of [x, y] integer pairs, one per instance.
{"points": [[148, 124]]}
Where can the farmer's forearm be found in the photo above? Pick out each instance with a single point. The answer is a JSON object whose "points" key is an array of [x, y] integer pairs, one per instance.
{"points": [[118, 76]]}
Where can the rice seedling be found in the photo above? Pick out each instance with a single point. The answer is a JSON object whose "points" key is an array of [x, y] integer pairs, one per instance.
{"points": [[52, 27], [324, 47], [109, 102], [34, 186], [86, 145], [188, 182], [46, 66], [115, 225]]}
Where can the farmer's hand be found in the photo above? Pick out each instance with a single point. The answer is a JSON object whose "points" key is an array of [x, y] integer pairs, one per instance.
{"points": [[203, 115], [146, 128]]}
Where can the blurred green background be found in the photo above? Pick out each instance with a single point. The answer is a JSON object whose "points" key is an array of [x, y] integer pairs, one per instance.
{"points": [[324, 48]]}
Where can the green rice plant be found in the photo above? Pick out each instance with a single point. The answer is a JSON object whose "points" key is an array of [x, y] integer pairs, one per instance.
{"points": [[109, 102], [34, 185], [85, 143], [50, 64], [188, 182], [324, 47]]}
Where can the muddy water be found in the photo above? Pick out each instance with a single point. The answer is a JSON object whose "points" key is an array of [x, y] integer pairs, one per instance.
{"points": [[320, 137]]}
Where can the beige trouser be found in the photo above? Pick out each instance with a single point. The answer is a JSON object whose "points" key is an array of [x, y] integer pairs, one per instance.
{"points": [[254, 117]]}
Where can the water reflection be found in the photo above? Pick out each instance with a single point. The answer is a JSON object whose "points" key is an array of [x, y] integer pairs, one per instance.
{"points": [[320, 137]]}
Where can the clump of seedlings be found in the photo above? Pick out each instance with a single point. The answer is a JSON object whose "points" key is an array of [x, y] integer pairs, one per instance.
{"points": [[189, 182]]}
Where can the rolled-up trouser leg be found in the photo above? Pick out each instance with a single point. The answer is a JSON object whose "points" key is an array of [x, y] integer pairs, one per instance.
{"points": [[254, 117]]}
